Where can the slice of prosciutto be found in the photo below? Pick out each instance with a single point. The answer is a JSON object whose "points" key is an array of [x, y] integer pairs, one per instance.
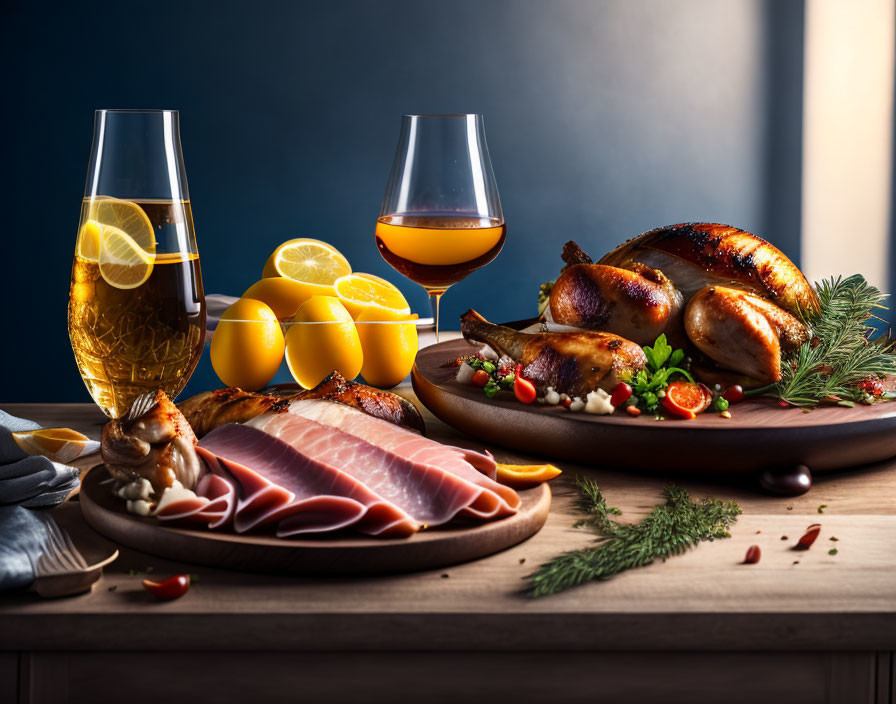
{"points": [[431, 482], [276, 483], [212, 503]]}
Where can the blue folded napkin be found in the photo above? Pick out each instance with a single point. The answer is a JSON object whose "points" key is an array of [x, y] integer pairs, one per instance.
{"points": [[26, 483]]}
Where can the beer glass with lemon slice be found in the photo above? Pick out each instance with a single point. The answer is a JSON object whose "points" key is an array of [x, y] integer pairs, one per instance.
{"points": [[136, 314]]}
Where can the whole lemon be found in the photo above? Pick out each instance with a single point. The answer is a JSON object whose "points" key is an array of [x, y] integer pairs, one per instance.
{"points": [[284, 296], [321, 338], [389, 348], [247, 347]]}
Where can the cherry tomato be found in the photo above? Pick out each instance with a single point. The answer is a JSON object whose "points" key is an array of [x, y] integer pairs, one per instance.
{"points": [[523, 389], [481, 377], [171, 588], [733, 394], [621, 394]]}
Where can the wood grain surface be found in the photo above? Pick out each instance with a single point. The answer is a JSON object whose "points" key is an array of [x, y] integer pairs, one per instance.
{"points": [[344, 553], [703, 600], [760, 435]]}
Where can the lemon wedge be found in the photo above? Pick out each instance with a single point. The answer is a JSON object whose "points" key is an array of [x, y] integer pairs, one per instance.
{"points": [[366, 292], [57, 444], [308, 261], [123, 263], [89, 241], [520, 476]]}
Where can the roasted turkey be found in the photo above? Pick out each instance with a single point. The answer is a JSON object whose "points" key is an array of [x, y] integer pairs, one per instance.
{"points": [[733, 296]]}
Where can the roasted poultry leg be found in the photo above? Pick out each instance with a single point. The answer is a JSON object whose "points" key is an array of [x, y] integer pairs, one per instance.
{"points": [[742, 332]]}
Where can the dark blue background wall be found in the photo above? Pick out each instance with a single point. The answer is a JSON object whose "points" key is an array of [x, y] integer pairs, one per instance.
{"points": [[604, 119]]}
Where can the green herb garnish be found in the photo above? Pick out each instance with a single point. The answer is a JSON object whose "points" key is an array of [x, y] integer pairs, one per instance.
{"points": [[669, 529], [842, 351], [544, 296], [662, 363], [833, 551]]}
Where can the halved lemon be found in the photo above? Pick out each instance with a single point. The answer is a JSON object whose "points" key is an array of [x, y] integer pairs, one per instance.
{"points": [[520, 476], [58, 444], [125, 215], [123, 262], [309, 261], [360, 292]]}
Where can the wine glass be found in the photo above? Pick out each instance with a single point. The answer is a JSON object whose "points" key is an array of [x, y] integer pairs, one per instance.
{"points": [[136, 313], [441, 216]]}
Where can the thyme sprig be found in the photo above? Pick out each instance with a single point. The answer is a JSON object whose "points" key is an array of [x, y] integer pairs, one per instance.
{"points": [[669, 529], [842, 351]]}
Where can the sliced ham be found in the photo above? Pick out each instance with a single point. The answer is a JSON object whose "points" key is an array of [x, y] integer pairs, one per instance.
{"points": [[431, 482], [212, 503], [495, 500], [277, 483]]}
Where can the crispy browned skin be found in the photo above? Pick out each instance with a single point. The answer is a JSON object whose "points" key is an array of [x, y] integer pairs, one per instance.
{"points": [[727, 254], [743, 332], [574, 363], [152, 441], [637, 303], [210, 409]]}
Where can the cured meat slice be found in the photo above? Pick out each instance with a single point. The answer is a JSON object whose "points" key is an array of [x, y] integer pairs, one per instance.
{"points": [[212, 503], [429, 481], [277, 484], [496, 500]]}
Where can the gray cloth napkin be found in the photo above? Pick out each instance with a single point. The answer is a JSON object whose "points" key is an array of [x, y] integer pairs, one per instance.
{"points": [[26, 483]]}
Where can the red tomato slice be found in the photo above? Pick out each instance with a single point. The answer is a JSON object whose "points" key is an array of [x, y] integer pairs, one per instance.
{"points": [[685, 399]]}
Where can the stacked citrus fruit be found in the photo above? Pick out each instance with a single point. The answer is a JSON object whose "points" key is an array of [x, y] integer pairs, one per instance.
{"points": [[335, 320]]}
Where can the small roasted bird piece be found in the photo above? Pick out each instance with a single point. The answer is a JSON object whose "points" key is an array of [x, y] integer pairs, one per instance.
{"points": [[210, 409], [153, 441], [734, 296], [573, 363]]}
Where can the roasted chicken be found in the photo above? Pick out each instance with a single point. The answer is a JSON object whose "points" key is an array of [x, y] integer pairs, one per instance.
{"points": [[210, 409], [153, 441], [738, 299], [573, 363]]}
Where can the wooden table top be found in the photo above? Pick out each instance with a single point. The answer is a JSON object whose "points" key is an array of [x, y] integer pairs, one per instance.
{"points": [[703, 600]]}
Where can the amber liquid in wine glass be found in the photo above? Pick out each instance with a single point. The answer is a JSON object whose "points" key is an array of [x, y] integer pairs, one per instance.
{"points": [[441, 217]]}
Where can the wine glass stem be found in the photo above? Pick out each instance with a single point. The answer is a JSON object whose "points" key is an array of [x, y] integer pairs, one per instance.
{"points": [[434, 298]]}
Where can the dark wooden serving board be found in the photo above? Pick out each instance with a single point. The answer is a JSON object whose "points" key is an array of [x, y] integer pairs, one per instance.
{"points": [[760, 435], [337, 554]]}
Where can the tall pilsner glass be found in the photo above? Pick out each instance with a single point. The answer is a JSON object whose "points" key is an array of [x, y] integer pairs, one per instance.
{"points": [[136, 313], [441, 216]]}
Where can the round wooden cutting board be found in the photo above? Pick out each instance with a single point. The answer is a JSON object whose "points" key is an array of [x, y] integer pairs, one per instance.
{"points": [[336, 554], [759, 436]]}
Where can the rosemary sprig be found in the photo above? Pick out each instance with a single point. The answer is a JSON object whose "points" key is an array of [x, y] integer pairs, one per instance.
{"points": [[842, 351], [669, 529]]}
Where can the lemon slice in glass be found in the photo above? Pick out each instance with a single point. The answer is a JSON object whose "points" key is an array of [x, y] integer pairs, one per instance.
{"points": [[125, 215], [123, 262], [89, 241], [366, 292], [307, 261]]}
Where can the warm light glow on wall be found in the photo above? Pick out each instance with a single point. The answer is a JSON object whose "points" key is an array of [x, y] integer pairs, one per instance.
{"points": [[847, 138]]}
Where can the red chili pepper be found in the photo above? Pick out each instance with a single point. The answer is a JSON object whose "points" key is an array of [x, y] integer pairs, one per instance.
{"points": [[480, 377], [171, 588], [783, 404], [753, 555], [621, 394], [523, 389], [809, 537], [733, 394]]}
